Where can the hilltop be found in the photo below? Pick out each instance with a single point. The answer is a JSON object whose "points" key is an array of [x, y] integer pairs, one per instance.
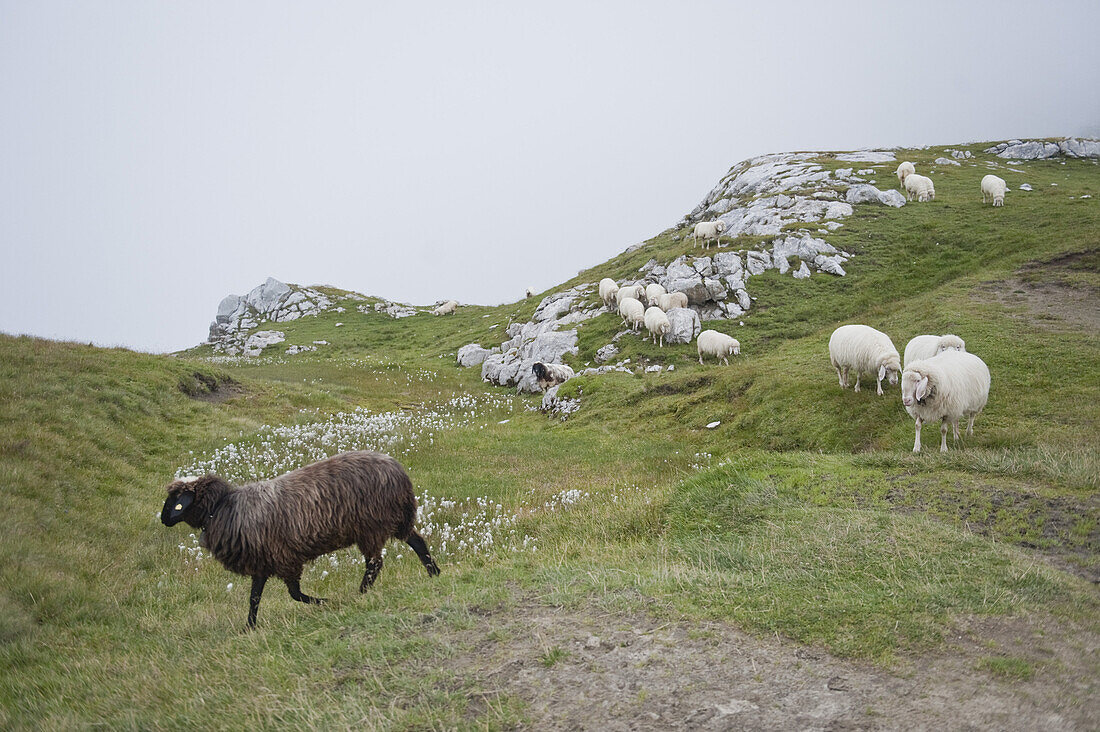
{"points": [[793, 565]]}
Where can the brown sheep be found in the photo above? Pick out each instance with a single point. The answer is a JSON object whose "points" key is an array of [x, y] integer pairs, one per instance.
{"points": [[273, 527]]}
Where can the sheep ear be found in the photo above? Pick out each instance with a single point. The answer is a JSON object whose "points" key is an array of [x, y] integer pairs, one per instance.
{"points": [[922, 388], [881, 373]]}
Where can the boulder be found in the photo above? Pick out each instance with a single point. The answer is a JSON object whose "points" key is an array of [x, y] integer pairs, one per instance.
{"points": [[685, 325], [1029, 150], [268, 296], [1073, 148], [946, 161], [472, 354], [867, 193], [608, 352], [258, 341], [756, 262]]}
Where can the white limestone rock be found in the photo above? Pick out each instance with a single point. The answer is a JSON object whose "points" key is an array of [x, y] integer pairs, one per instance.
{"points": [[472, 354], [867, 193], [258, 341], [946, 161], [867, 156], [608, 352], [1072, 147], [685, 324]]}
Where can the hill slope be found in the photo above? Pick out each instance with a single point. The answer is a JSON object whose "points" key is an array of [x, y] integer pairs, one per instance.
{"points": [[802, 516]]}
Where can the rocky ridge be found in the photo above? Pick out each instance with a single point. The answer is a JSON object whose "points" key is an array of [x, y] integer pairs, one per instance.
{"points": [[758, 197], [231, 332]]}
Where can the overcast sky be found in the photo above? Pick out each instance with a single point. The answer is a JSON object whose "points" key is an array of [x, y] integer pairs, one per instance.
{"points": [[156, 156]]}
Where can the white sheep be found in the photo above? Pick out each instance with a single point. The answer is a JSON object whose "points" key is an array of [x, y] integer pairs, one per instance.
{"points": [[632, 312], [926, 346], [652, 292], [707, 230], [608, 288], [672, 300], [946, 387], [530, 292], [658, 324], [904, 170], [713, 343], [446, 308], [920, 187], [862, 349], [551, 374], [994, 187], [635, 291]]}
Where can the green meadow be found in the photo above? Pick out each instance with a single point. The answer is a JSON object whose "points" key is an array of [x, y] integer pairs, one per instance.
{"points": [[803, 515]]}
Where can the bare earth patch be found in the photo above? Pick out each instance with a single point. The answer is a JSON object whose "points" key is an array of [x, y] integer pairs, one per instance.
{"points": [[584, 669], [1053, 294]]}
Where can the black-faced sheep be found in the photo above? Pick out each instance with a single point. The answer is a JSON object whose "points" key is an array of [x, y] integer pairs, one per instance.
{"points": [[273, 527], [551, 374]]}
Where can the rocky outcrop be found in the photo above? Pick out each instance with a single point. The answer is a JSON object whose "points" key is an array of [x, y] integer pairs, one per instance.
{"points": [[272, 301], [1070, 147], [542, 339]]}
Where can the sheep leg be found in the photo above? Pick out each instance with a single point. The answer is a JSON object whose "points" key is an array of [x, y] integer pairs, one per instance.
{"points": [[416, 541], [943, 436], [840, 377], [254, 596], [916, 442], [955, 430], [879, 385], [297, 594], [970, 425], [857, 382], [374, 566]]}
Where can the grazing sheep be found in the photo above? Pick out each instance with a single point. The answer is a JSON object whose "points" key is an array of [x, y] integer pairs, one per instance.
{"points": [[926, 346], [652, 292], [658, 324], [920, 187], [994, 187], [720, 345], [530, 292], [446, 308], [273, 527], [551, 374], [608, 288], [707, 230], [862, 349], [632, 312], [635, 291], [946, 387], [672, 300], [905, 170]]}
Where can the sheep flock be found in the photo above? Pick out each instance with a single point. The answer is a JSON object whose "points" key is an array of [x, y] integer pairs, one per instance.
{"points": [[940, 379]]}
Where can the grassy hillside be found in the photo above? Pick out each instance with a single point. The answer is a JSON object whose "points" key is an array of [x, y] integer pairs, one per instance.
{"points": [[803, 515]]}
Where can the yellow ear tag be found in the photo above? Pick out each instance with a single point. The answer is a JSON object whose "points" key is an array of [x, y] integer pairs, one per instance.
{"points": [[179, 506]]}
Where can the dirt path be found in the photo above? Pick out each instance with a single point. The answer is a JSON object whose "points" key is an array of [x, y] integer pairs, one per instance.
{"points": [[580, 670]]}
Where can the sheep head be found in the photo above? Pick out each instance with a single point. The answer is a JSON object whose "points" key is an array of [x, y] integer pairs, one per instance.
{"points": [[914, 387], [191, 499]]}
